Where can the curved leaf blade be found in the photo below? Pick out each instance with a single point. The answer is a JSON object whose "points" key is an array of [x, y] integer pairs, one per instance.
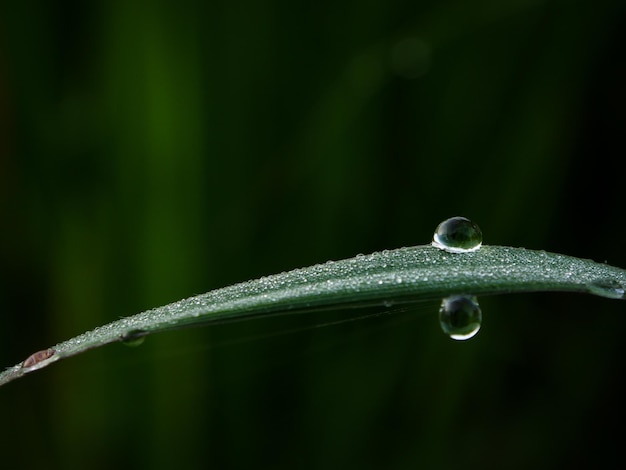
{"points": [[402, 275]]}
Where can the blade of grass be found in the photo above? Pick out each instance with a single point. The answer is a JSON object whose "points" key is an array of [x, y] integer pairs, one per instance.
{"points": [[396, 276]]}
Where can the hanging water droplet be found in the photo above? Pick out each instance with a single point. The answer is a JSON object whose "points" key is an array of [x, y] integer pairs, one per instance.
{"points": [[134, 338], [606, 288], [457, 235], [460, 316]]}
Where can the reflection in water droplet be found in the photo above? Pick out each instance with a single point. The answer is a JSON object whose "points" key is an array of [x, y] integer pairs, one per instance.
{"points": [[134, 338], [606, 288], [460, 316], [457, 235]]}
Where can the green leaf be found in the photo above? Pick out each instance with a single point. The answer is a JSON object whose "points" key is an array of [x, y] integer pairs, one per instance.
{"points": [[396, 276]]}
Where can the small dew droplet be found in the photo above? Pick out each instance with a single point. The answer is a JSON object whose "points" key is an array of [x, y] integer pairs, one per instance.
{"points": [[134, 338], [460, 316], [606, 288], [457, 235]]}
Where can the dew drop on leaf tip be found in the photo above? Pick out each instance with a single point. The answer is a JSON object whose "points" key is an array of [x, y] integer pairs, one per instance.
{"points": [[460, 316], [457, 235]]}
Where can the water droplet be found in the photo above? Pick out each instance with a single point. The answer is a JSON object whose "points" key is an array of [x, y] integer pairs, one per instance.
{"points": [[460, 316], [134, 338], [457, 235], [606, 288]]}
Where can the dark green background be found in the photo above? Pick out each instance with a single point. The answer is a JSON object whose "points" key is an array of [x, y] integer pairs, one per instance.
{"points": [[150, 151]]}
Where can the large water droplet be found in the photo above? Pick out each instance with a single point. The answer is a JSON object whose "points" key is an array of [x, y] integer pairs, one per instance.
{"points": [[606, 288], [460, 316], [457, 235], [134, 338]]}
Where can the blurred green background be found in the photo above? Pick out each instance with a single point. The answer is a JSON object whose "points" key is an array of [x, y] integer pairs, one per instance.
{"points": [[150, 151]]}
